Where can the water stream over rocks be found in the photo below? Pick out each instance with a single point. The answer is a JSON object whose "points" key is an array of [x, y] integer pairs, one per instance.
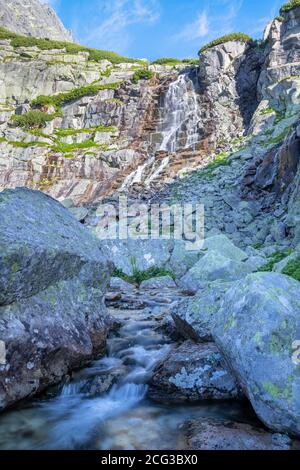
{"points": [[105, 405]]}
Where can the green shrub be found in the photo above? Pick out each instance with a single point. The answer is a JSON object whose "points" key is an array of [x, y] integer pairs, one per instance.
{"points": [[66, 132], [62, 99], [34, 119], [279, 18], [289, 5], [274, 259], [228, 37], [139, 276], [142, 74], [222, 159], [18, 40], [173, 61], [62, 147], [292, 269]]}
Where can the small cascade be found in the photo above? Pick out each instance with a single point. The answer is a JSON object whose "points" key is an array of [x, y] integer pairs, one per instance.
{"points": [[180, 114]]}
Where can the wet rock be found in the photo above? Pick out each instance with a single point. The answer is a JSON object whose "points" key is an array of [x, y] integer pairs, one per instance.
{"points": [[256, 329], [53, 279], [119, 284], [192, 372], [212, 434], [163, 282], [194, 317]]}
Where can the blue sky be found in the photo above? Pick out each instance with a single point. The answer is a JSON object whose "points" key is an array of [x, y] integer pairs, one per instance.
{"points": [[161, 28]]}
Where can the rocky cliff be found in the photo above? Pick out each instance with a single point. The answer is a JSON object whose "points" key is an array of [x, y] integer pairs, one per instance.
{"points": [[32, 18]]}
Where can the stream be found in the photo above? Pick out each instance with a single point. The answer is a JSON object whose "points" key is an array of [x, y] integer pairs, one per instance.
{"points": [[105, 405]]}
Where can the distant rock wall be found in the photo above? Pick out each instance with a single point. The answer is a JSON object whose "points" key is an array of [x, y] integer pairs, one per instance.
{"points": [[32, 18]]}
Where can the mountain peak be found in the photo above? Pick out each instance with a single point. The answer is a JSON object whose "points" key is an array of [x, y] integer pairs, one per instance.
{"points": [[32, 18]]}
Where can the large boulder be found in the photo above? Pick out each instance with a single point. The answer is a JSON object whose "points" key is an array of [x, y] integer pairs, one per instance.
{"points": [[53, 277], [192, 372], [212, 434], [212, 267], [194, 317], [257, 328]]}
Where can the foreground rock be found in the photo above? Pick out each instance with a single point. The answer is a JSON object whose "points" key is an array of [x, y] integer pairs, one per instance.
{"points": [[257, 328], [195, 317], [211, 434], [52, 281], [192, 372]]}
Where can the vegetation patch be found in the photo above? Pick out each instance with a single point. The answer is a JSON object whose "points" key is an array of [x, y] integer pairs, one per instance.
{"points": [[62, 147], [267, 111], [33, 119], [142, 74], [62, 99], [228, 37], [69, 132], [278, 138], [292, 269], [17, 40], [274, 259], [172, 61], [138, 276], [222, 159], [289, 5]]}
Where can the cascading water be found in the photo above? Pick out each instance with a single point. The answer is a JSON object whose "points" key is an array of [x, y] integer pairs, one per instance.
{"points": [[181, 114], [105, 406]]}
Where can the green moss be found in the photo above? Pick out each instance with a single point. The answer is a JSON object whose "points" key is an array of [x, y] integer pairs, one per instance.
{"points": [[228, 37], [274, 259], [278, 138], [292, 269], [62, 99], [222, 159], [66, 132], [33, 119], [62, 147], [289, 5], [96, 55], [267, 111], [14, 268], [139, 276], [172, 61], [142, 74]]}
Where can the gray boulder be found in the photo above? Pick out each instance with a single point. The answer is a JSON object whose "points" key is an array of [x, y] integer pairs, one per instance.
{"points": [[195, 317], [256, 329], [212, 434], [162, 282], [131, 254], [53, 277], [192, 372], [212, 267], [222, 245]]}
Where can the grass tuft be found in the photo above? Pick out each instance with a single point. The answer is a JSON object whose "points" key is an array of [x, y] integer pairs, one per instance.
{"points": [[228, 37]]}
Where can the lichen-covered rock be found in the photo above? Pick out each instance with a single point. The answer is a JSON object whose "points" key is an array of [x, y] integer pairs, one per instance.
{"points": [[53, 277], [256, 329], [212, 267], [192, 372], [212, 434], [135, 253], [195, 317]]}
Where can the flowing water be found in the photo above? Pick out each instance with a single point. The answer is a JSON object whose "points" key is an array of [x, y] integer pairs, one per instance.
{"points": [[181, 114], [105, 406]]}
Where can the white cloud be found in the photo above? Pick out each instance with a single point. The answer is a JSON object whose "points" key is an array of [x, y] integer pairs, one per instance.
{"points": [[112, 19], [195, 30], [208, 24]]}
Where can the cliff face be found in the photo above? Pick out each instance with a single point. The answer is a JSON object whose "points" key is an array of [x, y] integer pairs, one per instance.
{"points": [[32, 18], [141, 134]]}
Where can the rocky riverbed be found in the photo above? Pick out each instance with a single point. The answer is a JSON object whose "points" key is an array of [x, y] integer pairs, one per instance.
{"points": [[108, 405]]}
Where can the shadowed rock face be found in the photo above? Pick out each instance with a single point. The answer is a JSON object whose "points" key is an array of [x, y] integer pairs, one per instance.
{"points": [[52, 283], [32, 18]]}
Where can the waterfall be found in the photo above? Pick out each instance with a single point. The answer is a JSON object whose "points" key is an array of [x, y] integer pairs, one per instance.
{"points": [[180, 114]]}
